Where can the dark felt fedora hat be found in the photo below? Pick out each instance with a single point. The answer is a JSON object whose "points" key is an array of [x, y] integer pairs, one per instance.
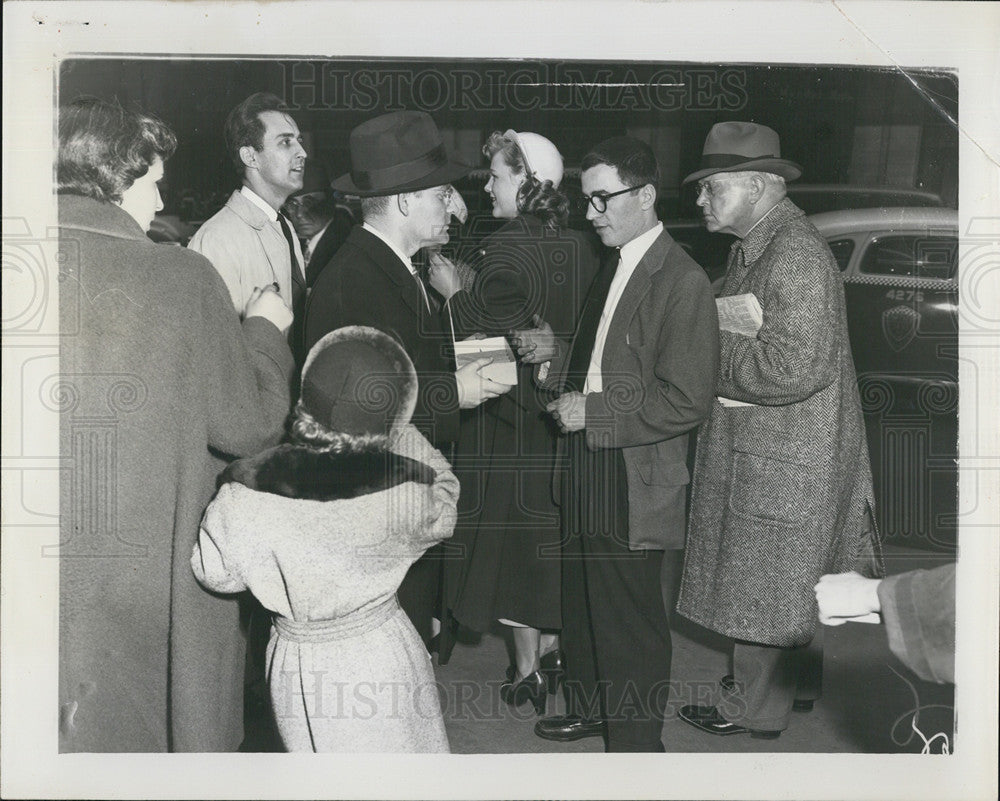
{"points": [[398, 152], [739, 146]]}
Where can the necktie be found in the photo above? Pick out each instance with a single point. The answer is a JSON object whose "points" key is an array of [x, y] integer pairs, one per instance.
{"points": [[298, 290], [423, 289], [306, 255], [298, 285], [590, 320]]}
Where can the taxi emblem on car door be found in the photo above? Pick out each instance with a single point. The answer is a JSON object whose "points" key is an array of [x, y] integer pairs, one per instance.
{"points": [[900, 326]]}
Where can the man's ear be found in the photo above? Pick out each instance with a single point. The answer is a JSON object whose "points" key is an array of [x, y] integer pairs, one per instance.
{"points": [[647, 196], [248, 155], [756, 188], [403, 203]]}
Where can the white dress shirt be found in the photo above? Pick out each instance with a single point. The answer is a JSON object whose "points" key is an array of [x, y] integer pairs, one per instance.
{"points": [[631, 255], [259, 202], [403, 258], [272, 215]]}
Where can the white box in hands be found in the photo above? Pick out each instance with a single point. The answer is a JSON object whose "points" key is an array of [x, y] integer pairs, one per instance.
{"points": [[503, 369]]}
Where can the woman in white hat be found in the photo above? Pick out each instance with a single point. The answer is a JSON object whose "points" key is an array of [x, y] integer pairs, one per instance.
{"points": [[322, 531], [533, 267]]}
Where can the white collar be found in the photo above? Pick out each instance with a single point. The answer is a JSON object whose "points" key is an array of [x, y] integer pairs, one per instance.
{"points": [[395, 249], [259, 202], [633, 251]]}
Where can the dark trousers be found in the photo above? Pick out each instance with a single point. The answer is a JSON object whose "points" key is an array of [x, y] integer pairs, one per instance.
{"points": [[769, 679], [420, 593], [615, 636]]}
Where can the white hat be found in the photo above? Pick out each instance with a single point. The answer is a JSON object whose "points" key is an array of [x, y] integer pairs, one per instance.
{"points": [[541, 158]]}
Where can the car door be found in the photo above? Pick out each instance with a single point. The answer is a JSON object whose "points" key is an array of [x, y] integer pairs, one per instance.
{"points": [[902, 308]]}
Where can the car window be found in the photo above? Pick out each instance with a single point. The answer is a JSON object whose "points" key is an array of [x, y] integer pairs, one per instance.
{"points": [[917, 256], [842, 250]]}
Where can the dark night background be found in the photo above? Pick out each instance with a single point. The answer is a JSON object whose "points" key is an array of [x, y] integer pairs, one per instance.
{"points": [[847, 127], [860, 126]]}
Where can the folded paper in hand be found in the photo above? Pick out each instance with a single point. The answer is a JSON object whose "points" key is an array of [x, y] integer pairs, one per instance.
{"points": [[503, 369], [740, 314]]}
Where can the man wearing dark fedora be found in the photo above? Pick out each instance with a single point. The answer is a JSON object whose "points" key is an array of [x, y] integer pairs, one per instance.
{"points": [[402, 172], [321, 221], [782, 488]]}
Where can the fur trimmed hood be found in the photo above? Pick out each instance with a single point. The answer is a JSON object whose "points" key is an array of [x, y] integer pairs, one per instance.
{"points": [[295, 471], [359, 380]]}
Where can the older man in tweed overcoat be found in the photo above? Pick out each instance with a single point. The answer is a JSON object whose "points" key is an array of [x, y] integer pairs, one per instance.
{"points": [[782, 491]]}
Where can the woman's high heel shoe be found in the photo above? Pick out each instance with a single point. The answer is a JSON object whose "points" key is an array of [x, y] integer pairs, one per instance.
{"points": [[530, 688], [551, 667]]}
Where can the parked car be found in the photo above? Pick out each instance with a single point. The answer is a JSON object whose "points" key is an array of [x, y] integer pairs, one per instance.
{"points": [[677, 207], [900, 283]]}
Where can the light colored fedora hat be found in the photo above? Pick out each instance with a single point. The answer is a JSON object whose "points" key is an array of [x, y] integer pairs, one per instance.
{"points": [[739, 146]]}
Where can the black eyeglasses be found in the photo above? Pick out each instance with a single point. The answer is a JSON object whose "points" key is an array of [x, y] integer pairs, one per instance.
{"points": [[599, 200]]}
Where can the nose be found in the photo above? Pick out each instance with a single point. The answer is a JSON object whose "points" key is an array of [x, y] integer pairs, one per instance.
{"points": [[591, 211], [456, 206], [701, 200], [489, 185], [159, 198]]}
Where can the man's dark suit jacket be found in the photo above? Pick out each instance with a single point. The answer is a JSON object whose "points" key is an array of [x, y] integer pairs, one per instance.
{"points": [[333, 237], [366, 284]]}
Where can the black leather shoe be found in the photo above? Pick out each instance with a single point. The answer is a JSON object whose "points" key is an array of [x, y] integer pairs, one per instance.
{"points": [[707, 718], [551, 666], [728, 683], [566, 728], [530, 688]]}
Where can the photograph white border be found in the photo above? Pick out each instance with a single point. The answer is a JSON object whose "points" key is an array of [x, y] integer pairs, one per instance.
{"points": [[951, 35]]}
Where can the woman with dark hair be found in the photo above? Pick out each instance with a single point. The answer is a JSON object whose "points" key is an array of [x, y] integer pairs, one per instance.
{"points": [[158, 380], [322, 531], [533, 267]]}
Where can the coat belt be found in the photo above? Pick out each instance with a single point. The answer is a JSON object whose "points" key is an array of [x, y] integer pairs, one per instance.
{"points": [[350, 625]]}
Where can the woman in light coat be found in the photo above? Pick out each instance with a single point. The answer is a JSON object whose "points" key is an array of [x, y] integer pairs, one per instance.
{"points": [[322, 532]]}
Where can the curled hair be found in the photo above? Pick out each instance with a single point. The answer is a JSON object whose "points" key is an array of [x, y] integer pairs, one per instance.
{"points": [[304, 429], [632, 159], [539, 198], [244, 126], [104, 148]]}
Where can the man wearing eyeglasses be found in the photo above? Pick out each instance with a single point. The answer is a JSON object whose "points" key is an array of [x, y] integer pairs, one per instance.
{"points": [[638, 376], [782, 487], [321, 223], [402, 171]]}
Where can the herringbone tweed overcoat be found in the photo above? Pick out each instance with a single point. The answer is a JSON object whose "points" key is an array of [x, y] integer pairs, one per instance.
{"points": [[782, 491]]}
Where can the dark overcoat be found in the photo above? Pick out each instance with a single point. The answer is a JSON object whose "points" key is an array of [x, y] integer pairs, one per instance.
{"points": [[366, 283], [157, 379], [506, 449], [336, 233], [782, 490]]}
